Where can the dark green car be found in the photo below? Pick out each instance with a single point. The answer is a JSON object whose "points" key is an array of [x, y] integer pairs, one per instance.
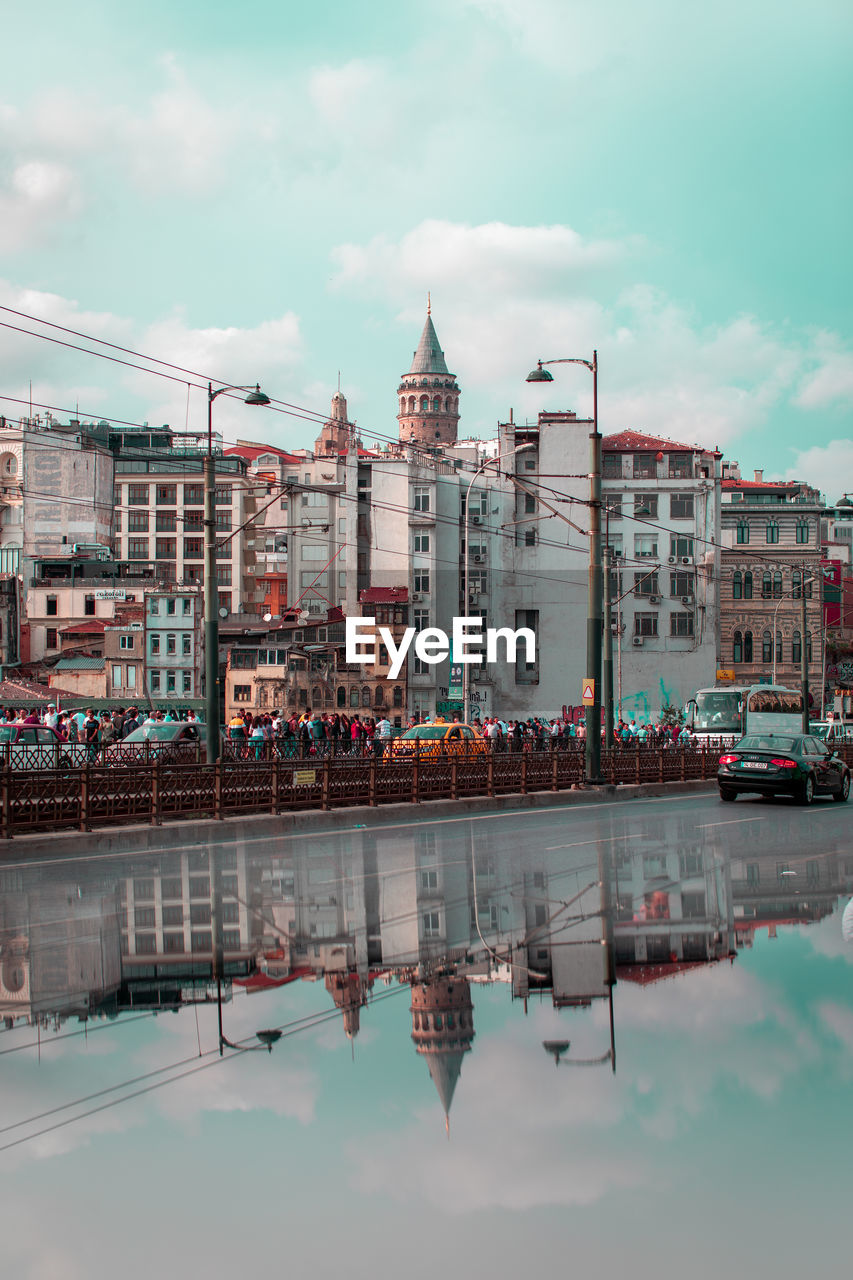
{"points": [[783, 765]]}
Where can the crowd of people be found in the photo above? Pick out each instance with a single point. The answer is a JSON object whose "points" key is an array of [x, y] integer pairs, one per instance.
{"points": [[96, 731]]}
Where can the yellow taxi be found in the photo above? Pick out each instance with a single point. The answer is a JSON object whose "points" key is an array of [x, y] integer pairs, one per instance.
{"points": [[438, 739]]}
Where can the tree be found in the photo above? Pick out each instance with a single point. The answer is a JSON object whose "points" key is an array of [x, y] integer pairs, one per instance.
{"points": [[670, 714]]}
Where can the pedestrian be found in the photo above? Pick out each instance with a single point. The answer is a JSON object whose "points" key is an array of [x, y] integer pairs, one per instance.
{"points": [[382, 737], [90, 731]]}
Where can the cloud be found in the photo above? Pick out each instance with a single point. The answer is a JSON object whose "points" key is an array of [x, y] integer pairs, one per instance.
{"points": [[829, 467], [39, 195], [831, 382], [838, 1019]]}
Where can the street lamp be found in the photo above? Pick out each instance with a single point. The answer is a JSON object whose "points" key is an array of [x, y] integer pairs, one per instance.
{"points": [[594, 620], [791, 592], [211, 597], [465, 602], [267, 1037]]}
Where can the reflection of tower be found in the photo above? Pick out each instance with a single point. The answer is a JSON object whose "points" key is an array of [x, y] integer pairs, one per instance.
{"points": [[428, 394], [349, 993], [442, 1029]]}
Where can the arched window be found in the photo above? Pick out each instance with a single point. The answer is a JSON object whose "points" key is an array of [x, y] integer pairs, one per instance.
{"points": [[777, 585], [808, 646], [379, 696], [342, 696], [772, 531], [803, 532], [747, 646], [747, 585], [448, 404], [411, 404], [766, 585], [436, 405], [779, 646], [398, 695], [767, 647], [737, 647], [353, 696], [402, 404], [796, 584], [10, 464], [796, 647], [365, 696], [737, 585], [808, 580], [424, 404]]}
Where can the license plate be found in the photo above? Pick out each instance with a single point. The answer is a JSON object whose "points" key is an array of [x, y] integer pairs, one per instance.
{"points": [[754, 764]]}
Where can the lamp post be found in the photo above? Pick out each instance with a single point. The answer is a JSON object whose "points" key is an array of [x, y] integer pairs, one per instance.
{"points": [[594, 621], [211, 598], [790, 592], [466, 559]]}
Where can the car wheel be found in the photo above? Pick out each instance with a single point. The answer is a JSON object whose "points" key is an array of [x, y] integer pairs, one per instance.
{"points": [[843, 793], [806, 792], [726, 793]]}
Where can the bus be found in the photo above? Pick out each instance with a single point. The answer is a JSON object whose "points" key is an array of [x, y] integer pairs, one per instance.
{"points": [[720, 716]]}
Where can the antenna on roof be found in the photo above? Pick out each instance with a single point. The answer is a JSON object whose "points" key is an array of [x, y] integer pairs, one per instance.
{"points": [[429, 304]]}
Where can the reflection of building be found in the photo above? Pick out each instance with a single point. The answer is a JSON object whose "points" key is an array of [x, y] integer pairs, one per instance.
{"points": [[349, 993], [443, 1029]]}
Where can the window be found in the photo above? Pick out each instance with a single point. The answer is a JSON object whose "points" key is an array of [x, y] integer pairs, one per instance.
{"points": [[50, 638], [144, 890], [796, 584], [137, 521], [766, 647], [202, 940], [747, 646], [165, 522], [166, 548], [50, 607], [146, 944], [154, 607], [193, 522], [680, 466], [681, 506], [646, 584], [646, 506], [154, 680], [681, 547], [737, 647], [802, 531], [737, 585], [421, 500], [137, 548], [242, 693], [186, 646], [187, 608], [529, 504], [777, 585], [187, 682], [681, 584], [611, 465], [645, 624], [779, 646], [645, 466], [797, 647], [397, 696], [422, 542], [772, 532], [747, 585], [116, 675], [421, 581], [193, 495], [193, 548], [89, 606], [137, 495], [753, 875], [171, 643], [530, 537], [222, 495], [432, 924], [131, 676], [613, 506], [527, 672], [166, 495], [154, 646], [125, 642], [743, 533], [646, 546], [681, 624], [766, 585]]}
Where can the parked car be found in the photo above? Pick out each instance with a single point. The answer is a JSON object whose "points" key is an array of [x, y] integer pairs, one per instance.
{"points": [[832, 732], [33, 746], [782, 764], [432, 741], [167, 740]]}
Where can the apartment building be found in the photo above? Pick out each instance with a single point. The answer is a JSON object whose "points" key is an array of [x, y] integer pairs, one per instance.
{"points": [[174, 652], [771, 559]]}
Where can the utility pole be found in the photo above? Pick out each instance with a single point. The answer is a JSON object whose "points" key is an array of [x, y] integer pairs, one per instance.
{"points": [[608, 643], [804, 654]]}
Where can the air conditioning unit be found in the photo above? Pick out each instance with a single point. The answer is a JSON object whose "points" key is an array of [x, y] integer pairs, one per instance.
{"points": [[476, 519], [673, 559], [654, 599], [477, 559], [686, 560], [687, 601], [636, 641], [416, 595]]}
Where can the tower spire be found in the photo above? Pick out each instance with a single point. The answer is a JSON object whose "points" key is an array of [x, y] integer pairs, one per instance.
{"points": [[428, 393]]}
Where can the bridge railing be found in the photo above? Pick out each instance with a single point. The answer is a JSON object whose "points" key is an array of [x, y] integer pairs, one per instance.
{"points": [[155, 790]]}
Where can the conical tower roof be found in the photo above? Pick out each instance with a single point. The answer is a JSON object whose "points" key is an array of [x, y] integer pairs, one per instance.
{"points": [[445, 1069], [429, 357]]}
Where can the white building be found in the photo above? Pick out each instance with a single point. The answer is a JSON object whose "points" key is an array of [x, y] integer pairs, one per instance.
{"points": [[174, 653]]}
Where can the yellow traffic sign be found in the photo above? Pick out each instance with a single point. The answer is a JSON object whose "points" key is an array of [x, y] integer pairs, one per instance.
{"points": [[588, 693]]}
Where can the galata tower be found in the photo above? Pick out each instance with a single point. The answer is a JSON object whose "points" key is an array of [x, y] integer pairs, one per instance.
{"points": [[428, 394]]}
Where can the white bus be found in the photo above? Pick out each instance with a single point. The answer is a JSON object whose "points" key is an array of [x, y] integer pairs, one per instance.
{"points": [[720, 716]]}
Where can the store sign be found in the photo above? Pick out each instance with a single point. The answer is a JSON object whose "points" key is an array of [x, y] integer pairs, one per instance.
{"points": [[111, 593]]}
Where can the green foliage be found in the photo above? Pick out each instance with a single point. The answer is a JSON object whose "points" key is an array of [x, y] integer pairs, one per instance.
{"points": [[670, 714]]}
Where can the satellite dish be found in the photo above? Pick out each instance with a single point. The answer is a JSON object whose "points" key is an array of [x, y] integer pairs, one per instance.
{"points": [[223, 613], [303, 615], [267, 617]]}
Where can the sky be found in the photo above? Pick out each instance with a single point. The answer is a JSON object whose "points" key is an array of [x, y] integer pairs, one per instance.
{"points": [[270, 192]]}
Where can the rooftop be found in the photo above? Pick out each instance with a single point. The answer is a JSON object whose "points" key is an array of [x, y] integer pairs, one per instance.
{"points": [[636, 441]]}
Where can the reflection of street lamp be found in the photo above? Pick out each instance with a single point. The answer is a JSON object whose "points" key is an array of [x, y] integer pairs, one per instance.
{"points": [[594, 623], [557, 1048], [211, 597], [465, 601], [267, 1038]]}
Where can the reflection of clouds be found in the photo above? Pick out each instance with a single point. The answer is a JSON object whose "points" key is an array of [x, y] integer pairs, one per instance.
{"points": [[838, 1019], [520, 1135], [825, 938]]}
